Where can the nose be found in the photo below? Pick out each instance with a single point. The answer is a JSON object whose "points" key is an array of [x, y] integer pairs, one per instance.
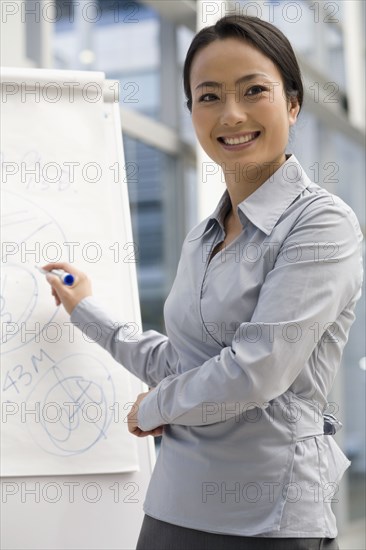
{"points": [[232, 112]]}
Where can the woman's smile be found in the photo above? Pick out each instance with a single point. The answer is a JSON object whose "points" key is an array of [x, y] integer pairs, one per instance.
{"points": [[239, 141]]}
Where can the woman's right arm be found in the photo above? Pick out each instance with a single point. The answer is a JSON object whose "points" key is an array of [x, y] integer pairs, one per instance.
{"points": [[148, 355]]}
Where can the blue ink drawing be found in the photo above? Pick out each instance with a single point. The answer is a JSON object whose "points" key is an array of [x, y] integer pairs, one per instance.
{"points": [[27, 231], [75, 398]]}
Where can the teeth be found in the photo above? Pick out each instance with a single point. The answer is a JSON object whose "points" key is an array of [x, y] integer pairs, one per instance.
{"points": [[241, 139]]}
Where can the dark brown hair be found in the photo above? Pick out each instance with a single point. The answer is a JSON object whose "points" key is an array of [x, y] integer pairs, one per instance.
{"points": [[262, 35]]}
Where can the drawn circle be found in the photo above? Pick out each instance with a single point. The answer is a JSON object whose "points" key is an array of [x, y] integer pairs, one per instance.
{"points": [[66, 398], [18, 288], [26, 306]]}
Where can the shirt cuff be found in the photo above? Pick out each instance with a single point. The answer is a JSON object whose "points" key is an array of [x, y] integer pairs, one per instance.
{"points": [[148, 415], [90, 317]]}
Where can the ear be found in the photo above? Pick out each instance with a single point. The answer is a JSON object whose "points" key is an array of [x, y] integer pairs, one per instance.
{"points": [[293, 110]]}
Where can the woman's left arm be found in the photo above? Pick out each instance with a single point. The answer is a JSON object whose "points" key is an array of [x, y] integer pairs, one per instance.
{"points": [[317, 275]]}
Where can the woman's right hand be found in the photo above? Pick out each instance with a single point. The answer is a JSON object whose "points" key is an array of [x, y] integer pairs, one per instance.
{"points": [[68, 296]]}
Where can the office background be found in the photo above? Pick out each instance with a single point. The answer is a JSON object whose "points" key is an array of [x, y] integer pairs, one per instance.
{"points": [[142, 44]]}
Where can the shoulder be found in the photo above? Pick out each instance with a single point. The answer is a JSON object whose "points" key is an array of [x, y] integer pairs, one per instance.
{"points": [[326, 233], [327, 212]]}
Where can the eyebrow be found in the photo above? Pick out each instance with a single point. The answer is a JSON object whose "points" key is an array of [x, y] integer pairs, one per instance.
{"points": [[239, 81]]}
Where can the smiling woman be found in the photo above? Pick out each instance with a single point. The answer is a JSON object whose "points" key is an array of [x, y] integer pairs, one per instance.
{"points": [[240, 381]]}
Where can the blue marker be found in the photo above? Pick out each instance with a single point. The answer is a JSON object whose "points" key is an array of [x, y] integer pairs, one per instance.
{"points": [[65, 277]]}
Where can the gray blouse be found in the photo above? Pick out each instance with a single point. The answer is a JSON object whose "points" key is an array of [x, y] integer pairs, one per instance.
{"points": [[254, 340]]}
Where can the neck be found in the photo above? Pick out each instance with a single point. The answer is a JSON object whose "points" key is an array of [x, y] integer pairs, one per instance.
{"points": [[242, 182]]}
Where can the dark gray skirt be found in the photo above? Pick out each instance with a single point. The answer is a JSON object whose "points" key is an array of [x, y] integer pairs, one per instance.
{"points": [[159, 535]]}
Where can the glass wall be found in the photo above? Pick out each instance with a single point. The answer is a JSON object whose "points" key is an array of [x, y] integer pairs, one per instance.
{"points": [[120, 38], [124, 40], [146, 167], [184, 37]]}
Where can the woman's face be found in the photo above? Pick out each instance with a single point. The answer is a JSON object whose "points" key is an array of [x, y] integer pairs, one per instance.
{"points": [[238, 95]]}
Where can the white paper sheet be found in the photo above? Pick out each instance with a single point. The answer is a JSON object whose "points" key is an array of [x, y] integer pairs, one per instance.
{"points": [[64, 400]]}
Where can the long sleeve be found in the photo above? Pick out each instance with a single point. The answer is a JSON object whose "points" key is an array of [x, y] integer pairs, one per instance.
{"points": [[316, 276], [148, 355]]}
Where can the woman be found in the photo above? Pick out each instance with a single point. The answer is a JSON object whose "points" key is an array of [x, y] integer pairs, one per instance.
{"points": [[256, 320]]}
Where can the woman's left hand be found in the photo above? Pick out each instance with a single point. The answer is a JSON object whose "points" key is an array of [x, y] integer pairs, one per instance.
{"points": [[132, 419]]}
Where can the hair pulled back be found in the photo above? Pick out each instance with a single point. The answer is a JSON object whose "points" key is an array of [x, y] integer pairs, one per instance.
{"points": [[262, 35]]}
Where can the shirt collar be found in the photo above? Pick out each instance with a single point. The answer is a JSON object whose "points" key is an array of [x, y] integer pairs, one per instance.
{"points": [[266, 204]]}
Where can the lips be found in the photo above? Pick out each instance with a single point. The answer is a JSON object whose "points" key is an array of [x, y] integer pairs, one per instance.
{"points": [[238, 139]]}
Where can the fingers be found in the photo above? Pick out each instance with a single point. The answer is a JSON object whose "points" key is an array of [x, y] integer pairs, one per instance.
{"points": [[60, 265], [68, 296], [57, 287], [78, 275], [54, 294], [156, 432], [132, 419]]}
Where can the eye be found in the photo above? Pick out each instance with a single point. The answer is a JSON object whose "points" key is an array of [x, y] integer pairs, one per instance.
{"points": [[207, 98], [257, 90]]}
